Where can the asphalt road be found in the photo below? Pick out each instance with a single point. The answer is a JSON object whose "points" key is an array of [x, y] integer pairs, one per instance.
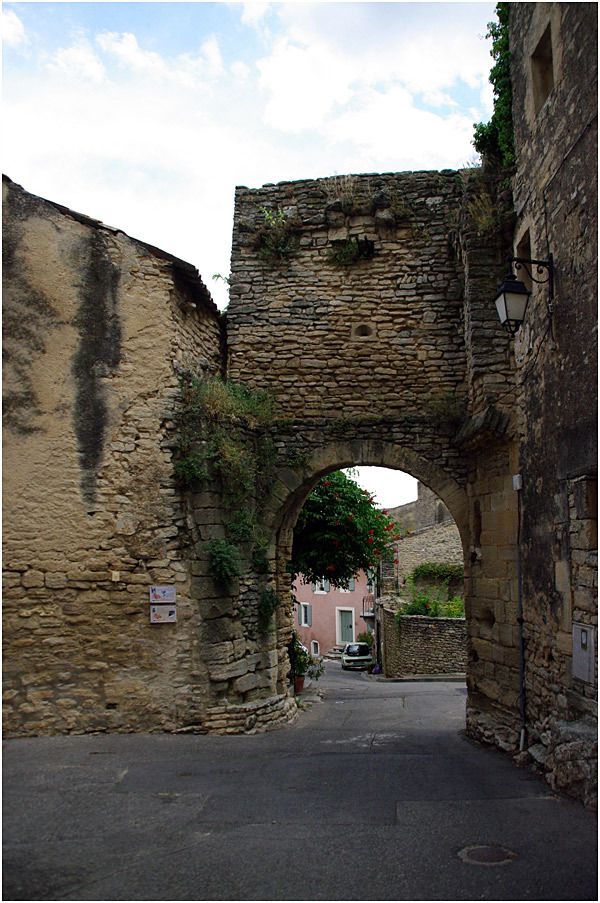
{"points": [[373, 794]]}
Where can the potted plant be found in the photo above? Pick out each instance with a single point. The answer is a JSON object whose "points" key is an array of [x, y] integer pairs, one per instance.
{"points": [[303, 663]]}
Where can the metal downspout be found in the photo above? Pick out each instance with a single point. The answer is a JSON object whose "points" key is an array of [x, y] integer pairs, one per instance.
{"points": [[518, 486]]}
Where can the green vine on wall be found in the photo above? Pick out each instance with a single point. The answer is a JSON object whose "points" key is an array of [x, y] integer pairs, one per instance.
{"points": [[224, 560], [224, 437], [495, 140], [267, 605]]}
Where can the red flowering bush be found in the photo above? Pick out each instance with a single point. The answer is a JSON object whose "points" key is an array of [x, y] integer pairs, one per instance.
{"points": [[340, 532]]}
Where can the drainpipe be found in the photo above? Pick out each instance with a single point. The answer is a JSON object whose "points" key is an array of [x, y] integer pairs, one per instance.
{"points": [[518, 487]]}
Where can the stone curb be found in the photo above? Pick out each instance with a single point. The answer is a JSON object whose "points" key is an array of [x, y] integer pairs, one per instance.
{"points": [[407, 678]]}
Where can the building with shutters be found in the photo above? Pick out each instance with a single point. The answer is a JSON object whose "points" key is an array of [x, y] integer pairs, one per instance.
{"points": [[327, 616]]}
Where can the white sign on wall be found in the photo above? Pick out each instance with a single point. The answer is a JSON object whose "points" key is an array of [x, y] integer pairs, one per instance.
{"points": [[162, 594], [163, 605], [163, 614]]}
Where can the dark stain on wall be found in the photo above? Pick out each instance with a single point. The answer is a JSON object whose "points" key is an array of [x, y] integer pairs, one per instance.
{"points": [[28, 316], [99, 352]]}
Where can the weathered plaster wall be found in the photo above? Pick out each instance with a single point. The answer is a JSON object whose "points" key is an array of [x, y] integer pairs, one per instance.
{"points": [[96, 327]]}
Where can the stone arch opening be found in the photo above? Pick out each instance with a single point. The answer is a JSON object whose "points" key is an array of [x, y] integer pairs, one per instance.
{"points": [[337, 456]]}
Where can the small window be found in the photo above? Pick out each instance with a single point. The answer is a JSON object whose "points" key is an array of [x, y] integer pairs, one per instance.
{"points": [[370, 583], [305, 614], [321, 587], [351, 586], [524, 252], [314, 647], [542, 70]]}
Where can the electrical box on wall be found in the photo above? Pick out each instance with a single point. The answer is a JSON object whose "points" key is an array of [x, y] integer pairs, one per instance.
{"points": [[584, 656]]}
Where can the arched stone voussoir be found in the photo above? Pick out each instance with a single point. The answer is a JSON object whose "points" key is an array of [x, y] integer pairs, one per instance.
{"points": [[293, 485]]}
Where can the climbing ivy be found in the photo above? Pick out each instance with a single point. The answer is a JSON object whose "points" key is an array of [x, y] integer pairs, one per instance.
{"points": [[494, 140], [223, 437], [267, 603]]}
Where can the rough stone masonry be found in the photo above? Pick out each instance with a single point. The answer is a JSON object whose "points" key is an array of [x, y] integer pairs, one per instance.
{"points": [[364, 305]]}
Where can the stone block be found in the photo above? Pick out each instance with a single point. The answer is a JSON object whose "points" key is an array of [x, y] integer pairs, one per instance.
{"points": [[562, 576], [227, 671], [248, 682], [32, 579], [55, 580]]}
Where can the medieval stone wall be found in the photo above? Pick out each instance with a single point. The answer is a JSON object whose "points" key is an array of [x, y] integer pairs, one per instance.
{"points": [[395, 358], [554, 58], [364, 305], [96, 328], [421, 645], [438, 543], [427, 509], [380, 337]]}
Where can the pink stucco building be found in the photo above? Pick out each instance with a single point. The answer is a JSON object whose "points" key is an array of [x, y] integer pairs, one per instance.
{"points": [[327, 616]]}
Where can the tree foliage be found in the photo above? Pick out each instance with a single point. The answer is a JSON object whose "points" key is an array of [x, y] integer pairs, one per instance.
{"points": [[340, 532], [495, 139]]}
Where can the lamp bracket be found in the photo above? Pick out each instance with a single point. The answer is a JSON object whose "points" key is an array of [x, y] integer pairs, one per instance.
{"points": [[541, 268]]}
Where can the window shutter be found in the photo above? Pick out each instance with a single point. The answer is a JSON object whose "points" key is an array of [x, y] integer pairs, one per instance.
{"points": [[326, 585], [309, 615], [300, 616]]}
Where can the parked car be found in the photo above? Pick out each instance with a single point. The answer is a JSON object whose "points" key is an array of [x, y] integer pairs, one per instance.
{"points": [[356, 655]]}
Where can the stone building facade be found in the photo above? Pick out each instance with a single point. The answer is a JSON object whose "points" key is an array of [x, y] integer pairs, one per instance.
{"points": [[554, 66], [99, 327]]}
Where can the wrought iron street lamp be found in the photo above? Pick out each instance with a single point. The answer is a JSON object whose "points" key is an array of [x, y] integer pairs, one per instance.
{"points": [[512, 295]]}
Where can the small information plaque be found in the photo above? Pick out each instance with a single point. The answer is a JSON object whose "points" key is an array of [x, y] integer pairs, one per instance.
{"points": [[163, 614], [162, 594]]}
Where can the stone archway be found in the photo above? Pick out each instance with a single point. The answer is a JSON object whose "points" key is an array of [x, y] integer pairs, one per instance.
{"points": [[394, 360]]}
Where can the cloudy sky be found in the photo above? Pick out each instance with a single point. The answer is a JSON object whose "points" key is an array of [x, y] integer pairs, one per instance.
{"points": [[147, 115]]}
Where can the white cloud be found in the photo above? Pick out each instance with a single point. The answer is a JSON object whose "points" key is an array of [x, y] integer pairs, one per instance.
{"points": [[127, 50], [253, 12], [78, 61], [330, 52], [240, 71], [212, 56], [415, 138], [154, 143], [302, 86], [184, 69], [438, 99], [13, 30]]}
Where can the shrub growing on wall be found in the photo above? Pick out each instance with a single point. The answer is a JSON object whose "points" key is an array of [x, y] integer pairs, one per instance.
{"points": [[495, 139]]}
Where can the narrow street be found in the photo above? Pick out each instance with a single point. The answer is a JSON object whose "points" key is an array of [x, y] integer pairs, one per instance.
{"points": [[373, 794]]}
